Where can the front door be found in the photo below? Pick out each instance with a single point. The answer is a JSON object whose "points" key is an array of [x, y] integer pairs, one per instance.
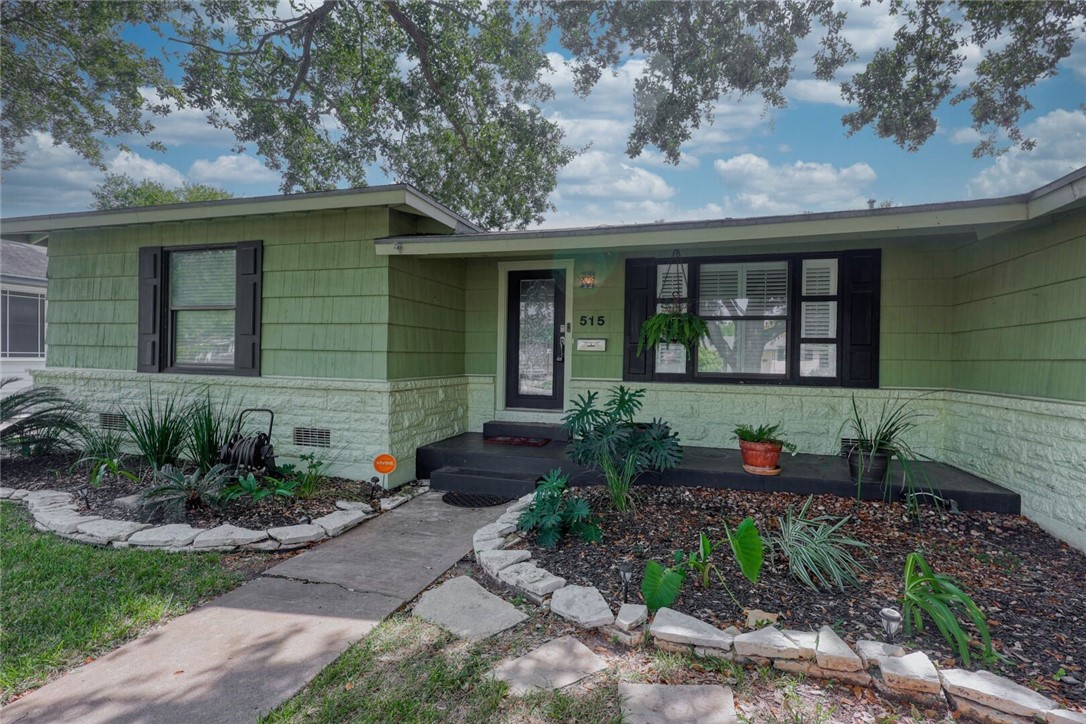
{"points": [[536, 350]]}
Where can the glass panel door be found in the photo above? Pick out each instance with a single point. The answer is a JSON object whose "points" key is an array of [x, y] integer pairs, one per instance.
{"points": [[535, 352]]}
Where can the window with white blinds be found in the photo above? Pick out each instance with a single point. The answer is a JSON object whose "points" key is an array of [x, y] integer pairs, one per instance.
{"points": [[818, 318], [746, 307], [202, 294]]}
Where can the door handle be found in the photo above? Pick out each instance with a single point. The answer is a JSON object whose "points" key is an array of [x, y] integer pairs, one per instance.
{"points": [[560, 355]]}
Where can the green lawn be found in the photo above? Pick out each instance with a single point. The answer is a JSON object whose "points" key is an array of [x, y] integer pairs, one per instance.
{"points": [[409, 670], [63, 602]]}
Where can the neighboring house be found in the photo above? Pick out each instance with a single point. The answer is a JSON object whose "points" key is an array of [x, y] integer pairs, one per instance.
{"points": [[22, 312], [376, 321]]}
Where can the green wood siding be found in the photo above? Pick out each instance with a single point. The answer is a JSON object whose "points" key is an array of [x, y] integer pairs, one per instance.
{"points": [[1019, 323], [326, 292], [425, 317]]}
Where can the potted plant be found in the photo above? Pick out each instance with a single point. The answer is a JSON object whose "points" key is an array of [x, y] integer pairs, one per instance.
{"points": [[873, 443], [672, 327], [761, 448]]}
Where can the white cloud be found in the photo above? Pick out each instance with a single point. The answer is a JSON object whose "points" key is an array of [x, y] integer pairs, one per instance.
{"points": [[816, 91], [762, 188], [1061, 148], [628, 212], [183, 126], [965, 135], [596, 174], [140, 168], [235, 169]]}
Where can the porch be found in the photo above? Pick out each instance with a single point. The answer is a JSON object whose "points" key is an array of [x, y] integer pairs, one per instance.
{"points": [[469, 463]]}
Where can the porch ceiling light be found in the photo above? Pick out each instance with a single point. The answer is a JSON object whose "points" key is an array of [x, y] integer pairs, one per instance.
{"points": [[891, 622], [625, 570], [588, 280]]}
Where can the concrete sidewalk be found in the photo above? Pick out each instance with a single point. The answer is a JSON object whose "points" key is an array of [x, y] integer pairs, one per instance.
{"points": [[239, 656]]}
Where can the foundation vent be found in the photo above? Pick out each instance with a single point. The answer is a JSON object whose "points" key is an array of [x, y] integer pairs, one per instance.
{"points": [[312, 437], [111, 421]]}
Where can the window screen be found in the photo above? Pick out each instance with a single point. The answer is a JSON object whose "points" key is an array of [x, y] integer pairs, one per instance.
{"points": [[202, 293], [23, 319], [746, 308]]}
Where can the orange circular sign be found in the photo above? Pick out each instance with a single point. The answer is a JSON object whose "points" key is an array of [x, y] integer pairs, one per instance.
{"points": [[384, 464]]}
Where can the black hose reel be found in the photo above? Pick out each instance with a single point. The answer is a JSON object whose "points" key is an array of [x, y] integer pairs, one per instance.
{"points": [[253, 452]]}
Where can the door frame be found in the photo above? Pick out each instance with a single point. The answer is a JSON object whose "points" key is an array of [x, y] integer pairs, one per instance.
{"points": [[501, 411]]}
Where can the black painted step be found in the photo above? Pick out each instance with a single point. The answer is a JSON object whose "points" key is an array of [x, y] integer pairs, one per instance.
{"points": [[499, 428], [489, 482]]}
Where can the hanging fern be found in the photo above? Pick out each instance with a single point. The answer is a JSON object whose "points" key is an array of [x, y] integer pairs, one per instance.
{"points": [[672, 328]]}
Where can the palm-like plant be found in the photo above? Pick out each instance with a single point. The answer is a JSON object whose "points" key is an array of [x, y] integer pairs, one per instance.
{"points": [[607, 439], [208, 430], [159, 430], [886, 435], [175, 492], [37, 420]]}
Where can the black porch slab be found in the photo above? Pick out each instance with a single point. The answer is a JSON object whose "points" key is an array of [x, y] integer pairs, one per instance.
{"points": [[713, 468]]}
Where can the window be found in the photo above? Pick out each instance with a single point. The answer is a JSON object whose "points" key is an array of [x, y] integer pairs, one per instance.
{"points": [[786, 319], [23, 320], [200, 309]]}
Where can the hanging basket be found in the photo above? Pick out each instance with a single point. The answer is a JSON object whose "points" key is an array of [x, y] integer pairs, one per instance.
{"points": [[674, 325]]}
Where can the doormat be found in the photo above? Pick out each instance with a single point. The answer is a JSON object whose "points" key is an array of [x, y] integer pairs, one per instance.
{"points": [[474, 500], [517, 441]]}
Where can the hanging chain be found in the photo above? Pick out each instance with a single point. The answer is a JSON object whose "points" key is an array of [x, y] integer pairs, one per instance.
{"points": [[679, 269]]}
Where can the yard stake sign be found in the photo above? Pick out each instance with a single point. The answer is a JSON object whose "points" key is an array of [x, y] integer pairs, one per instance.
{"points": [[384, 464]]}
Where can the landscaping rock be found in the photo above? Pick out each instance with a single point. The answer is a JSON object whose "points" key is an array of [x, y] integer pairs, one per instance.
{"points": [[489, 544], [495, 560], [833, 653], [995, 692], [164, 536], [810, 668], [228, 536], [341, 520], [493, 530], [128, 502], [553, 665], [63, 520], [531, 579], [265, 545], [974, 712], [394, 501], [18, 494], [911, 673], [632, 616], [1065, 716], [467, 609], [509, 518], [354, 505], [583, 605], [294, 535], [757, 617], [768, 643], [663, 704], [805, 641], [672, 626], [5, 493], [871, 651], [104, 531], [521, 504], [626, 638]]}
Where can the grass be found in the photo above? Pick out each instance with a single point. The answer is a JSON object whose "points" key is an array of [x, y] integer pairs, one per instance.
{"points": [[64, 602], [408, 670]]}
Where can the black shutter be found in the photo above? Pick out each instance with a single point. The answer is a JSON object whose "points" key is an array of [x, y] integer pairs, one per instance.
{"points": [[250, 258], [640, 294], [860, 283], [149, 318]]}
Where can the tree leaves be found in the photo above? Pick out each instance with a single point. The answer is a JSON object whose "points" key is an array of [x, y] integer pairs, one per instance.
{"points": [[120, 191]]}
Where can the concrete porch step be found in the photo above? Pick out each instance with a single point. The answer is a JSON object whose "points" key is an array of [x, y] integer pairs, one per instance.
{"points": [[499, 428], [487, 482]]}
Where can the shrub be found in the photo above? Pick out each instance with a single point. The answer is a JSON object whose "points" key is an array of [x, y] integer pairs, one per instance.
{"points": [[554, 512], [309, 479], [209, 427], [607, 439], [101, 453], [175, 492], [37, 420], [159, 431], [256, 490], [817, 552], [927, 592]]}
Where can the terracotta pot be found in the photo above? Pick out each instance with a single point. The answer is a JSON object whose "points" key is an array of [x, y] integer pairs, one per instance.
{"points": [[761, 456]]}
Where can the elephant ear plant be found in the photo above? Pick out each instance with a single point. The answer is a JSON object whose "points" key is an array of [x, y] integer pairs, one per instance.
{"points": [[606, 438]]}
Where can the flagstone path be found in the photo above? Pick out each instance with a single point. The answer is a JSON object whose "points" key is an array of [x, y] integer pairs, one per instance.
{"points": [[237, 657]]}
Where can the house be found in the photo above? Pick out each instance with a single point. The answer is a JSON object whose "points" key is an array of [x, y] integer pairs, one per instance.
{"points": [[376, 321], [22, 312]]}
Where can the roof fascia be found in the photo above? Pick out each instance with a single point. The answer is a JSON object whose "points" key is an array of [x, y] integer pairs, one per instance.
{"points": [[815, 228]]}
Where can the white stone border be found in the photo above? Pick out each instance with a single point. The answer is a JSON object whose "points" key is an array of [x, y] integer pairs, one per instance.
{"points": [[56, 511], [979, 695]]}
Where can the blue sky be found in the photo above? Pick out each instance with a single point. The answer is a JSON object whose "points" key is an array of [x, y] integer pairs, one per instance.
{"points": [[748, 163]]}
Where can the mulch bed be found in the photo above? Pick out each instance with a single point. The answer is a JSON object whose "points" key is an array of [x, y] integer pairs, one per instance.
{"points": [[54, 472], [1031, 586]]}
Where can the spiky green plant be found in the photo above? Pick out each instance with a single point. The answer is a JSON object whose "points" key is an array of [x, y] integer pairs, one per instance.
{"points": [[209, 426], [818, 554], [607, 439], [159, 429], [175, 492], [37, 420], [886, 434], [764, 433]]}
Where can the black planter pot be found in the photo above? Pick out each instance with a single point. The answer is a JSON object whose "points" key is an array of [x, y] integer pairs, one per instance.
{"points": [[873, 466]]}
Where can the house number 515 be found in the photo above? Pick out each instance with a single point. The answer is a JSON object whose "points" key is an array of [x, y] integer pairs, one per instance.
{"points": [[589, 321]]}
